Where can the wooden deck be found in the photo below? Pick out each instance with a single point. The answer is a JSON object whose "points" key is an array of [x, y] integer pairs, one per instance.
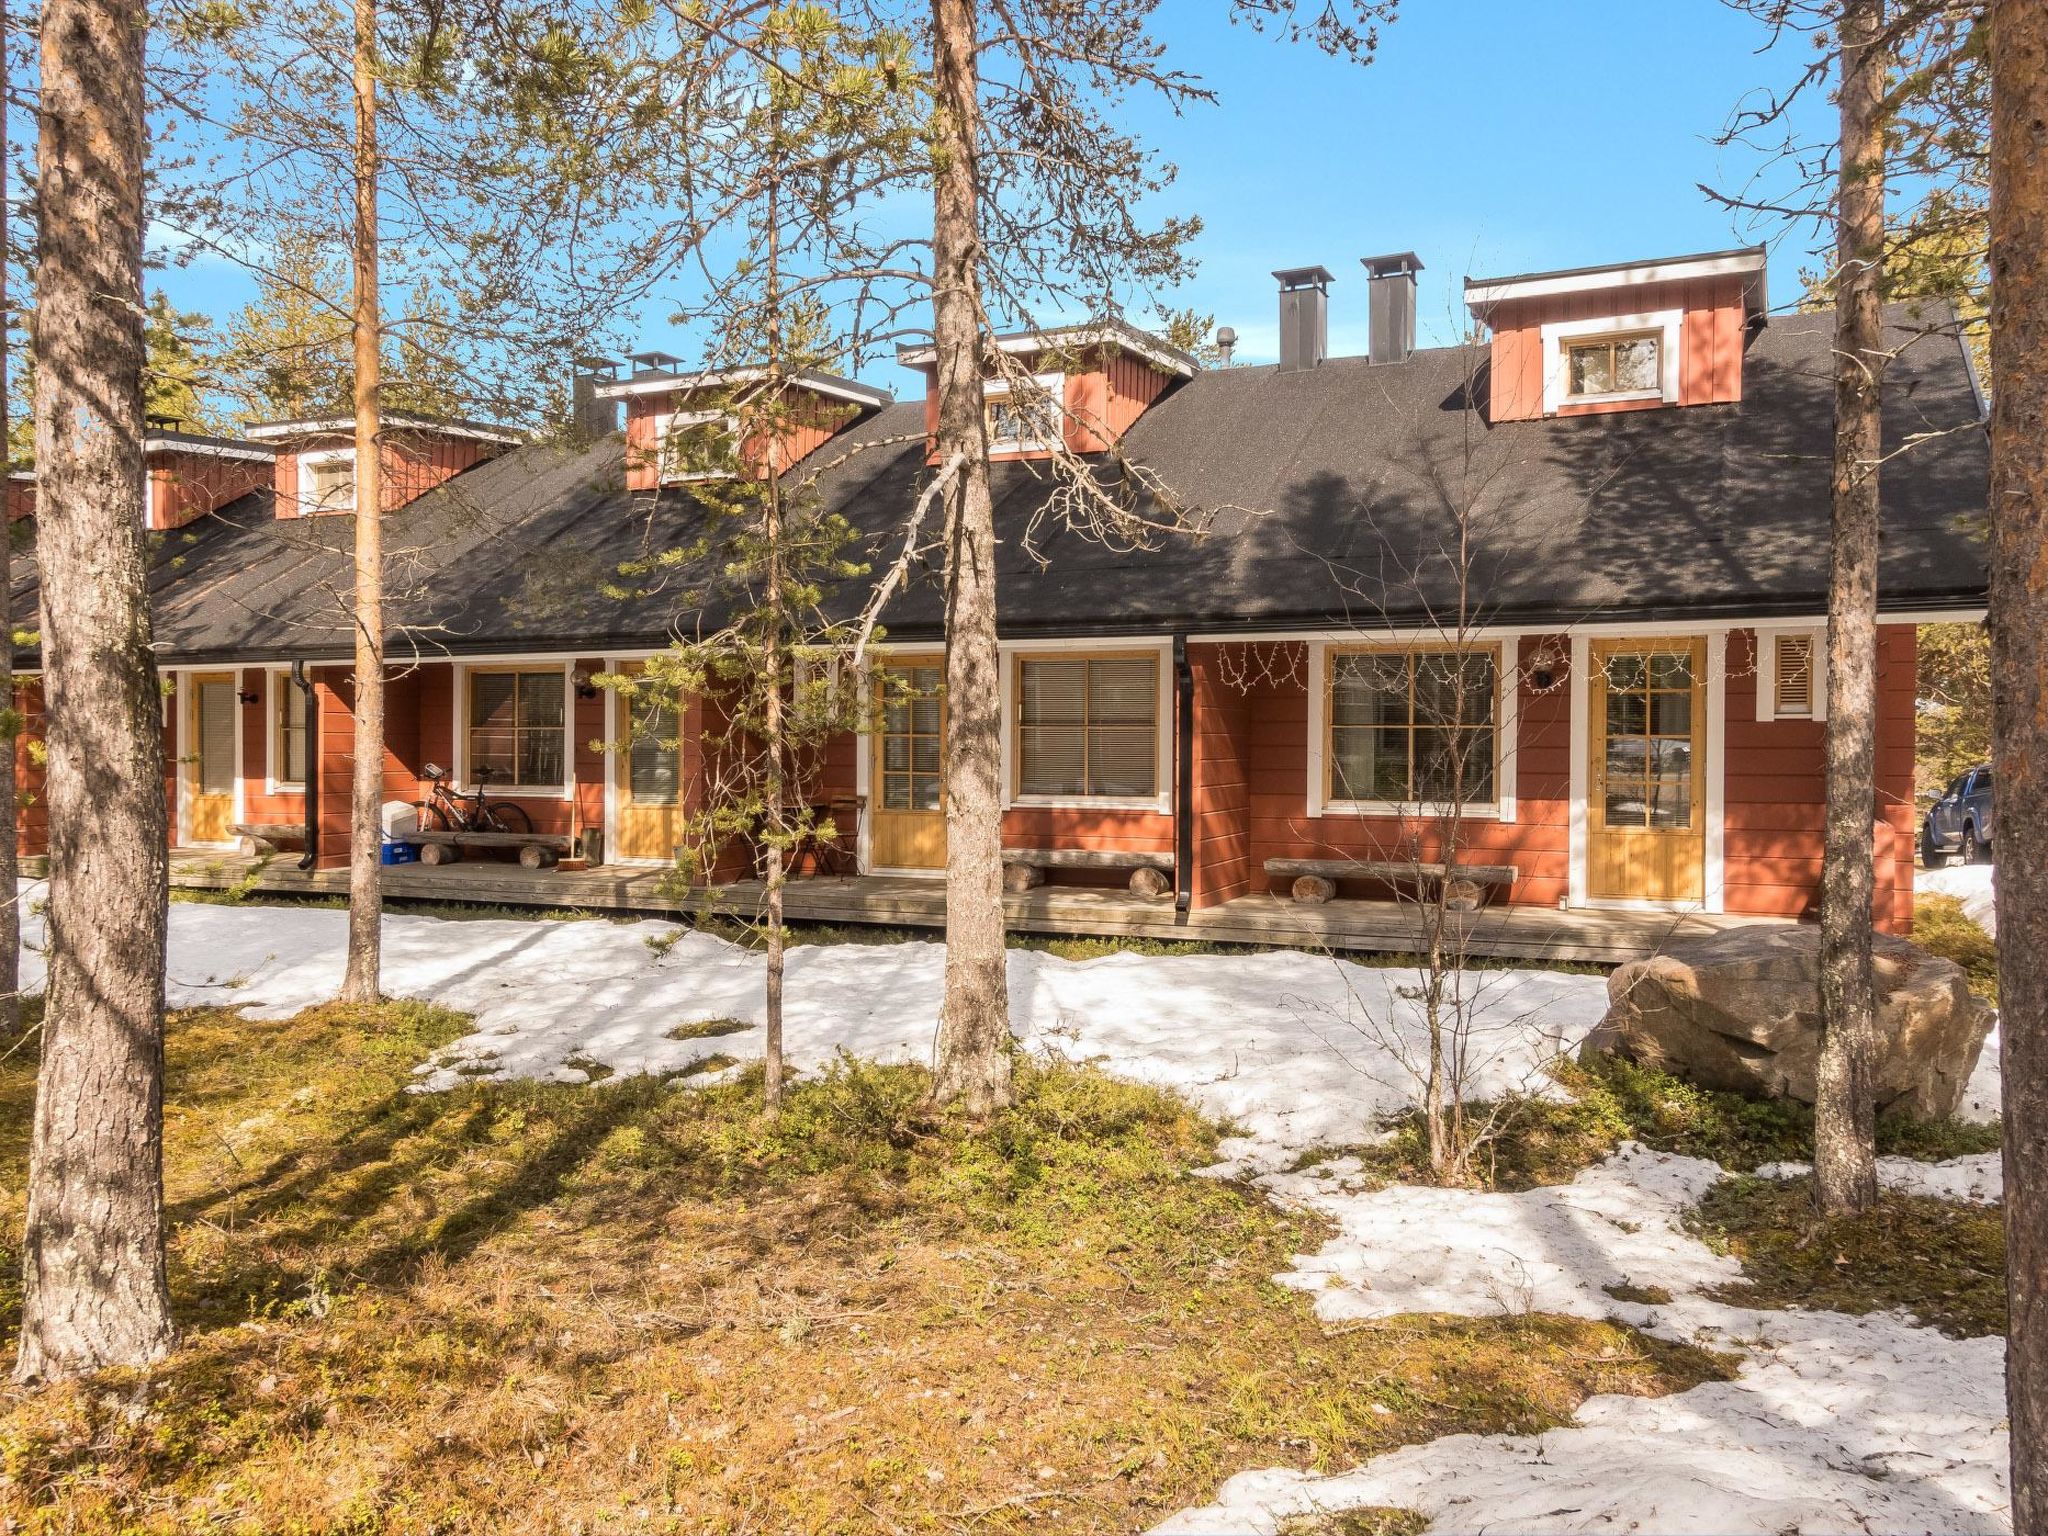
{"points": [[1526, 933]]}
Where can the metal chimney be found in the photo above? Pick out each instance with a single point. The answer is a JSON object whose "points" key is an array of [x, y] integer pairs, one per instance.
{"points": [[1304, 316], [1391, 280], [1226, 344], [590, 417]]}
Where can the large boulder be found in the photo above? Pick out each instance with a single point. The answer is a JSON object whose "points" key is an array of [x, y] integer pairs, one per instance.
{"points": [[1740, 1010]]}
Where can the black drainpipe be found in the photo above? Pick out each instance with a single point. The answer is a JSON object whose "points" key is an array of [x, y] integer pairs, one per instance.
{"points": [[305, 685], [1184, 781]]}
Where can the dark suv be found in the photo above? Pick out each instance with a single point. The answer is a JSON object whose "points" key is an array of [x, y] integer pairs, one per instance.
{"points": [[1959, 822]]}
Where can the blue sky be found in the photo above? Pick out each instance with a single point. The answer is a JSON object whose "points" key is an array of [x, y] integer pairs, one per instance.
{"points": [[1490, 136]]}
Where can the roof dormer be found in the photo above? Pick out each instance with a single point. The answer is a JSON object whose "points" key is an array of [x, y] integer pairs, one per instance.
{"points": [[315, 468], [1626, 336], [1079, 386], [666, 406], [193, 473]]}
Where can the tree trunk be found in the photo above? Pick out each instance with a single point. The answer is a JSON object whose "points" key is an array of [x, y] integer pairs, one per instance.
{"points": [[1844, 1131], [2019, 673], [10, 739], [93, 1257], [972, 1066], [362, 982]]}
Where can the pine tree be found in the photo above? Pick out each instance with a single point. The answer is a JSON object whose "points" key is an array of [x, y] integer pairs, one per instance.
{"points": [[286, 355], [2019, 670], [175, 372], [93, 1258]]}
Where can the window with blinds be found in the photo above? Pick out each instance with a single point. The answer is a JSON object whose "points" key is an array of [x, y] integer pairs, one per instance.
{"points": [[516, 733], [1412, 727], [1794, 676], [1088, 727]]}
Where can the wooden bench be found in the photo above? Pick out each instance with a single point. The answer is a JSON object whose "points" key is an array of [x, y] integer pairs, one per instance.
{"points": [[537, 850], [269, 836], [1315, 880], [1024, 868]]}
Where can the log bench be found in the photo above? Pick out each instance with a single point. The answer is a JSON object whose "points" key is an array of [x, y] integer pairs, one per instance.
{"points": [[1024, 868], [1315, 880], [537, 850], [269, 836]]}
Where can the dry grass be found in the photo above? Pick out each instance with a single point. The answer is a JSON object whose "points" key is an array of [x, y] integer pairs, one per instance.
{"points": [[1942, 927], [538, 1308]]}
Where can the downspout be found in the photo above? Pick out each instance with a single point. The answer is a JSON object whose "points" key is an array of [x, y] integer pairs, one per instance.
{"points": [[305, 685], [1184, 781]]}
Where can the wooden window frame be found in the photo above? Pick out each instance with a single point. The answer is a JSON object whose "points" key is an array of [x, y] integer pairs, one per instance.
{"points": [[1490, 807], [282, 690], [1558, 336], [322, 457], [1568, 345], [664, 423], [466, 769], [1054, 386], [1014, 724]]}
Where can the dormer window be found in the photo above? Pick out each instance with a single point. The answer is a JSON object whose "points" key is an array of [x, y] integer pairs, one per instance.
{"points": [[1613, 367], [690, 452], [1611, 360], [1025, 419], [327, 480]]}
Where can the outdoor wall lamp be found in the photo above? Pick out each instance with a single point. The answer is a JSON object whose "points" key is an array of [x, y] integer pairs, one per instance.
{"points": [[1543, 668], [249, 698]]}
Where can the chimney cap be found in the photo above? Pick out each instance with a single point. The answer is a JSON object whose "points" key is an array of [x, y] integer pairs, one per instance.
{"points": [[1305, 277], [591, 362], [1397, 264], [653, 362]]}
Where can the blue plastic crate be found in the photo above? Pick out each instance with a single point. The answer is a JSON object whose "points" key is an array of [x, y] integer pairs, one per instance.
{"points": [[399, 853]]}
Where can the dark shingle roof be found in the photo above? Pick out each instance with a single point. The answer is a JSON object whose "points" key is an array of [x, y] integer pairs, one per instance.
{"points": [[1331, 495]]}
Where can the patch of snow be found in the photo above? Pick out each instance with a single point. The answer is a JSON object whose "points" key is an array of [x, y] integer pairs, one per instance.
{"points": [[1410, 1248], [1984, 1093], [1299, 1050], [1970, 884], [1833, 1423], [1975, 1180]]}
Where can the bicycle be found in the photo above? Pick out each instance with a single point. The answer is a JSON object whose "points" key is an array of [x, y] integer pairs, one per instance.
{"points": [[449, 810]]}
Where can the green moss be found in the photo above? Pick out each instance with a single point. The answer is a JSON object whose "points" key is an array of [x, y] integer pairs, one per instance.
{"points": [[1941, 1261], [1941, 927]]}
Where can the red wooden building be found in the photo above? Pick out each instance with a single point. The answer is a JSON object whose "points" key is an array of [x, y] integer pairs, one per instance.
{"points": [[1557, 594]]}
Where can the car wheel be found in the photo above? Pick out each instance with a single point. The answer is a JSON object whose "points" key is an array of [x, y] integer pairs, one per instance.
{"points": [[1931, 856], [1973, 851]]}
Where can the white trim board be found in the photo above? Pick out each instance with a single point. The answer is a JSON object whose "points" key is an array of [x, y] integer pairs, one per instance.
{"points": [[1667, 324]]}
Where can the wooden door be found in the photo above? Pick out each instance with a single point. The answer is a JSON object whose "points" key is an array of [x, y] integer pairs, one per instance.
{"points": [[210, 724], [1646, 818], [647, 794], [908, 805]]}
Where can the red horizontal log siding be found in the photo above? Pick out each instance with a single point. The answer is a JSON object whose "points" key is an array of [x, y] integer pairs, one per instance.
{"points": [[1710, 343], [1776, 793]]}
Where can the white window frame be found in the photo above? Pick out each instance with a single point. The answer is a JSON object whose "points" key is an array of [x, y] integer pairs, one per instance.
{"points": [[666, 422], [1159, 802], [275, 681], [1055, 387], [1667, 324], [1506, 728], [1767, 672], [322, 457], [458, 770]]}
